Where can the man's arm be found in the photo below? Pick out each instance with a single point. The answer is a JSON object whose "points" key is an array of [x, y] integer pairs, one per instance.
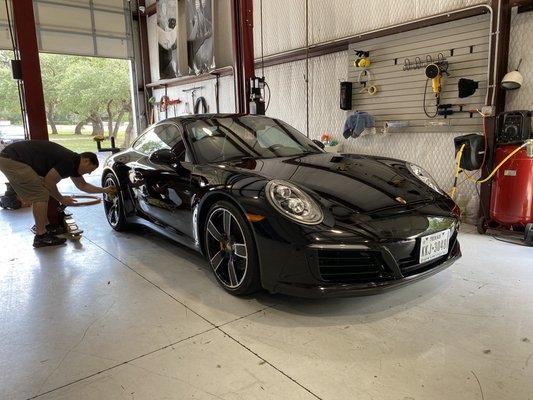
{"points": [[50, 182], [87, 187]]}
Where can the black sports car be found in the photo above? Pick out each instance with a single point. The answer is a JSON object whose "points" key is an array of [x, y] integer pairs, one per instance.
{"points": [[269, 208]]}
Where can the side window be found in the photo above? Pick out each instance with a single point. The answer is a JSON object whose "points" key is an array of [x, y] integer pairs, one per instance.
{"points": [[160, 137], [149, 142]]}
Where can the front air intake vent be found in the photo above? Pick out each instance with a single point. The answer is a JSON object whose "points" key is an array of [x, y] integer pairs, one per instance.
{"points": [[345, 266]]}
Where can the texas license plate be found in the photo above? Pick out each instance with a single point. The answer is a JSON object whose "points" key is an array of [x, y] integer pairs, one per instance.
{"points": [[434, 246]]}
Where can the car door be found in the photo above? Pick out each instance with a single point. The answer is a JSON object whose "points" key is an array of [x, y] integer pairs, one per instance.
{"points": [[163, 192]]}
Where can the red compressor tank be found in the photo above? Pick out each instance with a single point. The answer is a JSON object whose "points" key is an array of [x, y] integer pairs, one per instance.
{"points": [[512, 188]]}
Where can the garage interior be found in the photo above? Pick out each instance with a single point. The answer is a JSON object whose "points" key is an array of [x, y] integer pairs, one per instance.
{"points": [[134, 315]]}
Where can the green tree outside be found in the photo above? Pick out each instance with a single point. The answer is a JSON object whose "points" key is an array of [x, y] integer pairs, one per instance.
{"points": [[78, 91]]}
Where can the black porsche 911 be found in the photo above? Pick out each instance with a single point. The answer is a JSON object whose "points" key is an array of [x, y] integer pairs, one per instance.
{"points": [[269, 208]]}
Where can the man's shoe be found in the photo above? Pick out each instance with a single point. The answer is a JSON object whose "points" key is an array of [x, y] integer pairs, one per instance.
{"points": [[47, 240], [53, 229], [56, 229]]}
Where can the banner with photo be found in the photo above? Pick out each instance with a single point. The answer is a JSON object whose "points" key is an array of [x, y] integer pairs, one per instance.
{"points": [[167, 38], [200, 34]]}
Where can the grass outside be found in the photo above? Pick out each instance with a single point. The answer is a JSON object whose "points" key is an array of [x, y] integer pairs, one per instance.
{"points": [[83, 142]]}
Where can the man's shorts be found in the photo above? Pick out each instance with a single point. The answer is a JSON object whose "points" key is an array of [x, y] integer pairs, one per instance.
{"points": [[24, 180]]}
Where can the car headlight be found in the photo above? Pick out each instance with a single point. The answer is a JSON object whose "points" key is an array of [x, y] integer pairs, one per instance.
{"points": [[424, 176], [293, 203]]}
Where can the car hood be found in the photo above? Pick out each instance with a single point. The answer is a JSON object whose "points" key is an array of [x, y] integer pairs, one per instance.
{"points": [[362, 183]]}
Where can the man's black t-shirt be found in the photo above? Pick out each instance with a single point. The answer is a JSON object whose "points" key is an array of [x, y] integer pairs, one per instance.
{"points": [[43, 155]]}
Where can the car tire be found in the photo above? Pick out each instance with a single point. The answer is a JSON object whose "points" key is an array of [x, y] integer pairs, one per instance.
{"points": [[231, 249], [113, 206]]}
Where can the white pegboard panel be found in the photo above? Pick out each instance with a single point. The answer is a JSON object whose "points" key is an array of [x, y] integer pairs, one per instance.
{"points": [[520, 48], [401, 93]]}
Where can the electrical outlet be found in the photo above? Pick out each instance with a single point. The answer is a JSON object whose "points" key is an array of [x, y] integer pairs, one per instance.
{"points": [[487, 111]]}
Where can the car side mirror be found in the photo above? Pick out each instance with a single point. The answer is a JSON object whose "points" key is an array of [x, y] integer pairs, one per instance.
{"points": [[164, 157], [319, 143]]}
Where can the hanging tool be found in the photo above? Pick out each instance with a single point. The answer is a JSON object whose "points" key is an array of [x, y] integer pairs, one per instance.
{"points": [[257, 95], [167, 102], [151, 103], [371, 89], [363, 59], [435, 71], [193, 98]]}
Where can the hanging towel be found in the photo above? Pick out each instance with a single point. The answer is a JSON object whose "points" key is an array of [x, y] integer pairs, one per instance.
{"points": [[356, 123]]}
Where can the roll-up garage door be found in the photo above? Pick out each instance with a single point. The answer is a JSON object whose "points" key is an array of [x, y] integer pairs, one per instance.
{"points": [[98, 28]]}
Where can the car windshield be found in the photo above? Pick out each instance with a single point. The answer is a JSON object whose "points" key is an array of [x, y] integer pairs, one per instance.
{"points": [[232, 138]]}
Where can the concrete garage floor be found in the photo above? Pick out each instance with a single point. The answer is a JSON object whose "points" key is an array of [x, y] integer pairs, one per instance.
{"points": [[134, 316]]}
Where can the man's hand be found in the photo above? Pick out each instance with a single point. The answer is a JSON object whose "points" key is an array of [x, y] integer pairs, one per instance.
{"points": [[109, 190], [68, 201]]}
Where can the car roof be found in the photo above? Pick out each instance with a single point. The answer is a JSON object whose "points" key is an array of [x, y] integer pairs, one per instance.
{"points": [[199, 117]]}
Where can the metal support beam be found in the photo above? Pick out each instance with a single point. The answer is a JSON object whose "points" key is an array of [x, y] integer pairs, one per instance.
{"points": [[243, 50], [500, 47], [32, 85], [146, 74]]}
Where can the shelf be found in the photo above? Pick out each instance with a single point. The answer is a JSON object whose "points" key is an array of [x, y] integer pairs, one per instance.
{"points": [[184, 80]]}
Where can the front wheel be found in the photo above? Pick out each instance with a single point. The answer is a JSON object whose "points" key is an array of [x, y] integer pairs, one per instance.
{"points": [[231, 250], [113, 206]]}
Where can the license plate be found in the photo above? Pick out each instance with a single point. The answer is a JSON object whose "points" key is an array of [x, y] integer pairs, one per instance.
{"points": [[434, 246]]}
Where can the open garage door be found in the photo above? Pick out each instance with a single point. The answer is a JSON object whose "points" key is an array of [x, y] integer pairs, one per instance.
{"points": [[100, 28]]}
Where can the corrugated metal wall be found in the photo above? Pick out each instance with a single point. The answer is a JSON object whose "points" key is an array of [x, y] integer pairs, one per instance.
{"points": [[284, 20], [521, 48]]}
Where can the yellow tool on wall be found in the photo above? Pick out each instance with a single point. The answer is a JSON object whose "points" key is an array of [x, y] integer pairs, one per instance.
{"points": [[363, 59], [434, 71]]}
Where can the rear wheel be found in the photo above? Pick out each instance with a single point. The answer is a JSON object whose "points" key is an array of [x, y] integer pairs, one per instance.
{"points": [[113, 206], [231, 250]]}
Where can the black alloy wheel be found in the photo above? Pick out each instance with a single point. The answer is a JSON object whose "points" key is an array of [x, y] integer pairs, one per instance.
{"points": [[113, 205], [230, 249]]}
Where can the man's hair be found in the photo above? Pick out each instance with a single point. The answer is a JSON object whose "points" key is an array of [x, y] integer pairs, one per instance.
{"points": [[92, 158]]}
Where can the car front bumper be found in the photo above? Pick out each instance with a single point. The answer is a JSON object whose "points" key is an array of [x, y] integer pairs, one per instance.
{"points": [[324, 290], [318, 263]]}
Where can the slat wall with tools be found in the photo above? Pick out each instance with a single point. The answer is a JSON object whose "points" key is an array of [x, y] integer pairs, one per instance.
{"points": [[464, 44]]}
